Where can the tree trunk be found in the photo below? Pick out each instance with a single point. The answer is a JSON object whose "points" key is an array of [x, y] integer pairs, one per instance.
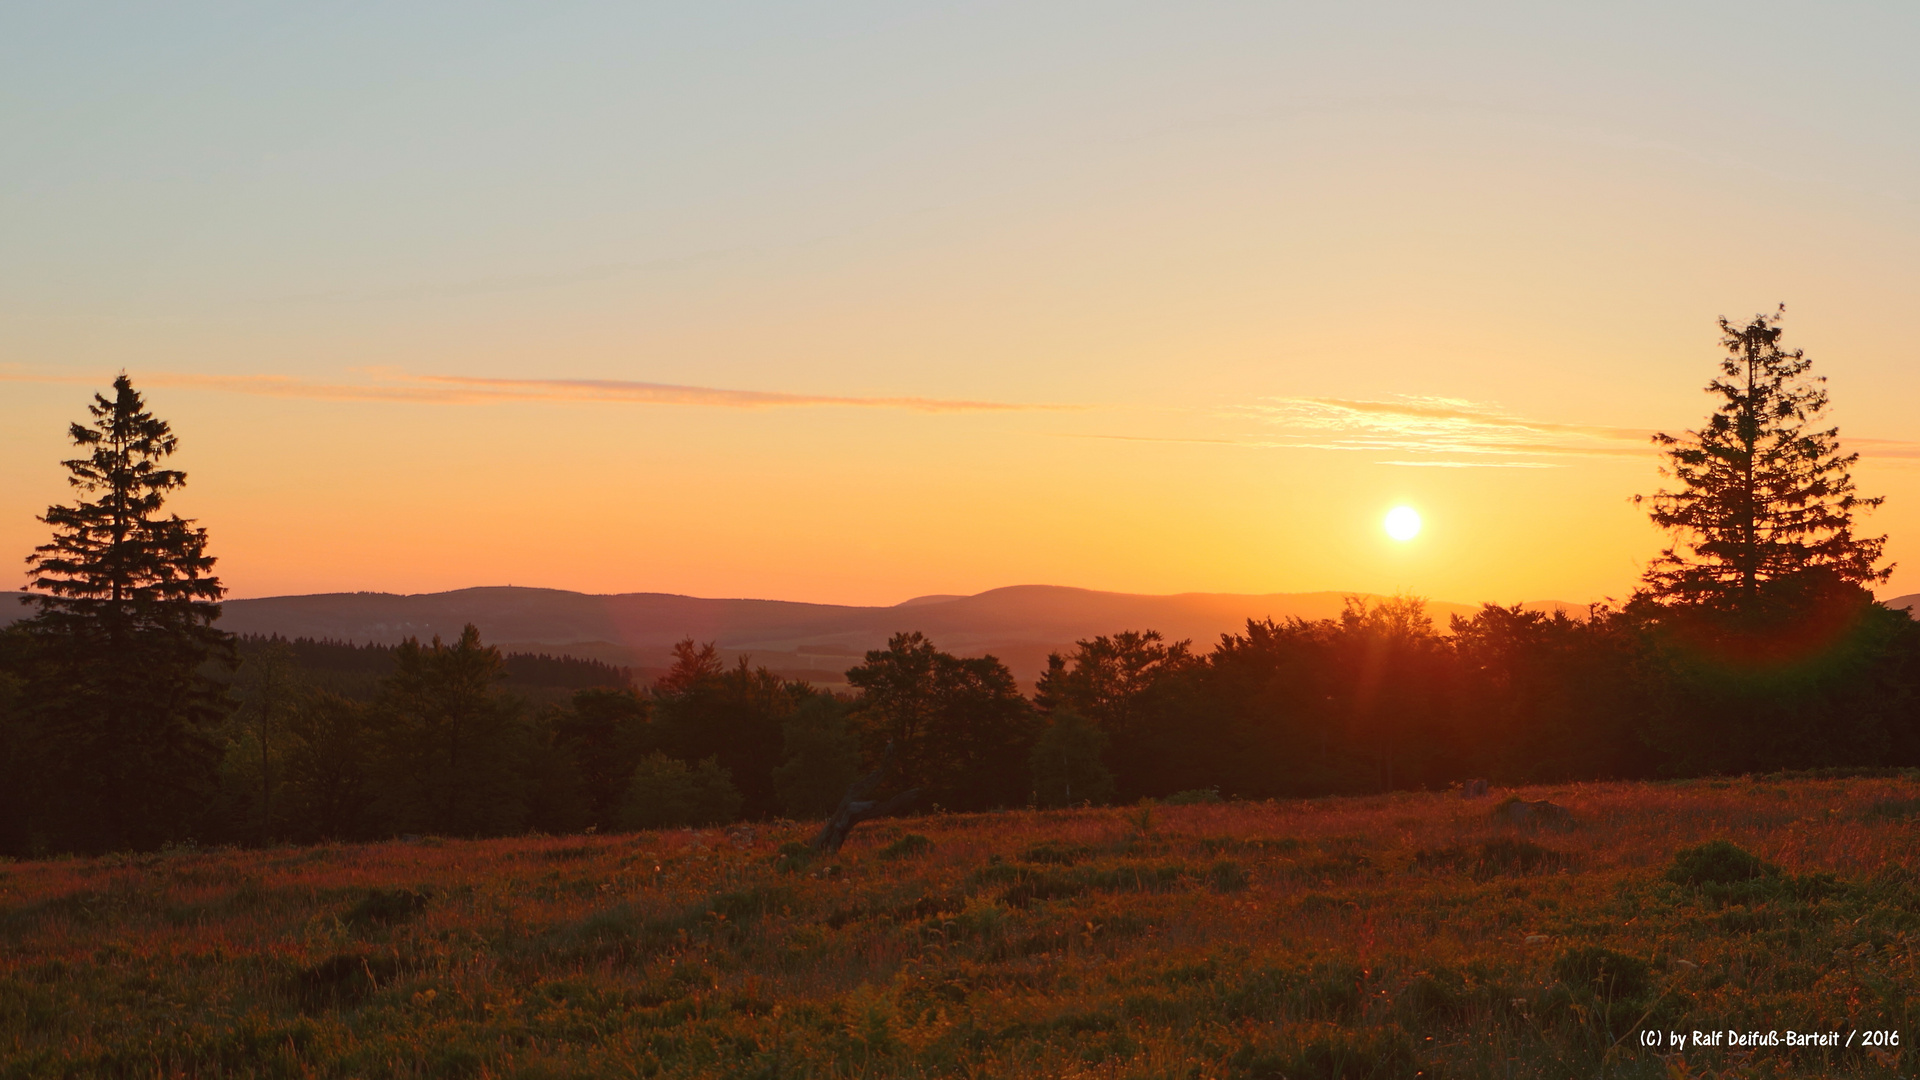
{"points": [[855, 807]]}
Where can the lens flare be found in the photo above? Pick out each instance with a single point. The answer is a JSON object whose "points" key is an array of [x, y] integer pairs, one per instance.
{"points": [[1403, 523]]}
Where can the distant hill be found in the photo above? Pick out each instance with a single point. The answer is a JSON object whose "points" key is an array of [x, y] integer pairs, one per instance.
{"points": [[1020, 624]]}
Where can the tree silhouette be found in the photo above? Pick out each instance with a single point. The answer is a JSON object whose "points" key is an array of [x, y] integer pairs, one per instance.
{"points": [[822, 753], [118, 703], [704, 709], [1126, 685], [453, 741], [603, 735], [962, 727], [1765, 494], [1066, 762]]}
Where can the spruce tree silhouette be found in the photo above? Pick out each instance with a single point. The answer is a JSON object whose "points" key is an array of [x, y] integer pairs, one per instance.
{"points": [[118, 702], [1765, 493]]}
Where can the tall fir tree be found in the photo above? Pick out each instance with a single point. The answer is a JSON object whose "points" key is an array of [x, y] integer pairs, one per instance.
{"points": [[1765, 493], [119, 701]]}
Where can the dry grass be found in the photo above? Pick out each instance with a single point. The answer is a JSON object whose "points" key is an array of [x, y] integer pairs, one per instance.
{"points": [[1391, 936]]}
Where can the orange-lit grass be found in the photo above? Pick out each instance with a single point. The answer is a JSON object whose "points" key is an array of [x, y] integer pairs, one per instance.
{"points": [[1335, 937]]}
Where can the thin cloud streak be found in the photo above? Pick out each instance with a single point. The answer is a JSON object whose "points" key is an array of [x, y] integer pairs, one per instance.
{"points": [[1152, 438], [1457, 427], [1430, 425], [1473, 464], [471, 390], [1449, 412], [1883, 448]]}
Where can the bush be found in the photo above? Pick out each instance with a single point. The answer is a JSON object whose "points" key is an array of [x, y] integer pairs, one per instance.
{"points": [[1329, 1052], [1195, 797], [907, 847], [1892, 810], [666, 793], [792, 857], [1508, 856], [1055, 852], [1718, 862], [384, 907], [1227, 876], [1609, 975]]}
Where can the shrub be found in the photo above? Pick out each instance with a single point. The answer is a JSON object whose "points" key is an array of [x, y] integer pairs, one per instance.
{"points": [[1609, 975], [752, 903], [1718, 862], [384, 907], [1892, 810], [1509, 856], [1227, 876], [343, 980], [1193, 798], [792, 857], [907, 847], [1055, 852], [1430, 995], [666, 793]]}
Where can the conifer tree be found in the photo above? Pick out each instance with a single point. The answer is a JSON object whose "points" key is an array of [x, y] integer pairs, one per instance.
{"points": [[1765, 493], [118, 706], [453, 743]]}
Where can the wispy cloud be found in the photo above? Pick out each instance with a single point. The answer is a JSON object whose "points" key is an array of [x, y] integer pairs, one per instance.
{"points": [[1149, 438], [1461, 434], [393, 386], [1884, 448], [1474, 464]]}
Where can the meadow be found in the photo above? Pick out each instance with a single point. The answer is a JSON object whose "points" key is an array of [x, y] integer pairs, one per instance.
{"points": [[1394, 936]]}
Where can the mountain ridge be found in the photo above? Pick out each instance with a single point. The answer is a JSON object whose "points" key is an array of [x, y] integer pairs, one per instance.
{"points": [[1020, 624]]}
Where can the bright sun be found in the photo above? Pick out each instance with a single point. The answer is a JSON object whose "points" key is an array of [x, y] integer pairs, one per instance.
{"points": [[1403, 523]]}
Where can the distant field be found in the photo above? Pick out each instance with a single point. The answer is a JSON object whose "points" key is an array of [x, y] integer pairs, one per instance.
{"points": [[1394, 936]]}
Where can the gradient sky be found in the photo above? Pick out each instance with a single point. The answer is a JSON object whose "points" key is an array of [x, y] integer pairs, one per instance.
{"points": [[855, 302]]}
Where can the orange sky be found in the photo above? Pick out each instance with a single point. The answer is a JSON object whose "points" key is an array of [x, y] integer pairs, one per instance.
{"points": [[859, 306]]}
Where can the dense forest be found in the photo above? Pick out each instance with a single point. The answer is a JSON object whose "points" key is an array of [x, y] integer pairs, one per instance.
{"points": [[127, 720]]}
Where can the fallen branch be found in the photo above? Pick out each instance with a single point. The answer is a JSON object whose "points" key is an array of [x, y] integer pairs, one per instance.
{"points": [[855, 807]]}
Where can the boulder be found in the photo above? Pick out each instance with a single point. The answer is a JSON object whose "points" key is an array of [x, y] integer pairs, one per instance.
{"points": [[1523, 812]]}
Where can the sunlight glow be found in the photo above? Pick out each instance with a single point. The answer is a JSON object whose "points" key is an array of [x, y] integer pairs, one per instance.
{"points": [[1403, 523]]}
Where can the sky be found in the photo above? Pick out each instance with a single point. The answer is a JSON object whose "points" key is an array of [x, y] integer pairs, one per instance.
{"points": [[856, 302]]}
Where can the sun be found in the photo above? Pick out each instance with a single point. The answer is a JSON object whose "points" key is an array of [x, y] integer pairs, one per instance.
{"points": [[1403, 523]]}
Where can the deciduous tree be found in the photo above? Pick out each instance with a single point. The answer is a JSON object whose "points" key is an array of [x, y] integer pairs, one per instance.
{"points": [[703, 709], [962, 728]]}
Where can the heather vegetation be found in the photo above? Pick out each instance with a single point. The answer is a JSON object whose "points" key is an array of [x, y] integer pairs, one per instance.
{"points": [[1394, 935]]}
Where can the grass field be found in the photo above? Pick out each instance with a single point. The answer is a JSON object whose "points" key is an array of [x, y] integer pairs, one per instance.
{"points": [[1393, 936]]}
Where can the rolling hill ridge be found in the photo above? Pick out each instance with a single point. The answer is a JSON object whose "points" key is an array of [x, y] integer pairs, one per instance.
{"points": [[1020, 624]]}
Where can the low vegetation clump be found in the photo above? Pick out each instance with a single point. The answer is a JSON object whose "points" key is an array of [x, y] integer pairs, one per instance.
{"points": [[1406, 935]]}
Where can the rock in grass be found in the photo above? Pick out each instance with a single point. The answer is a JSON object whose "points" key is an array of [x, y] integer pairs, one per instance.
{"points": [[1518, 811]]}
